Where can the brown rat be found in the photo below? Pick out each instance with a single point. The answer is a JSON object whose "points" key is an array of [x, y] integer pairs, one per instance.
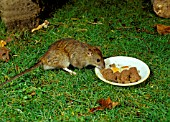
{"points": [[64, 52]]}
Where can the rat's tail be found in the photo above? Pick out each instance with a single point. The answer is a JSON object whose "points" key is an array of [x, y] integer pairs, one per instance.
{"points": [[22, 73]]}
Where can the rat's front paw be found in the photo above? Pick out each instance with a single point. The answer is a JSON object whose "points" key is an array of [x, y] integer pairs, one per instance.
{"points": [[72, 73]]}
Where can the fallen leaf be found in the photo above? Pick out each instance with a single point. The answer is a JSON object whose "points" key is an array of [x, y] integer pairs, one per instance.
{"points": [[163, 29], [45, 25], [4, 54], [2, 43], [104, 104], [107, 103]]}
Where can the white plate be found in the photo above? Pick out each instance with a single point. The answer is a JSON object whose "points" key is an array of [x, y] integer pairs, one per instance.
{"points": [[120, 61]]}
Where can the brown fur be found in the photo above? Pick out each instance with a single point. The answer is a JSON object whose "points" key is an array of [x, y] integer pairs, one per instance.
{"points": [[64, 52]]}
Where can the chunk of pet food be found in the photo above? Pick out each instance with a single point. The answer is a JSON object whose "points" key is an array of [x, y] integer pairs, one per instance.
{"points": [[107, 74], [134, 75], [116, 77], [125, 76]]}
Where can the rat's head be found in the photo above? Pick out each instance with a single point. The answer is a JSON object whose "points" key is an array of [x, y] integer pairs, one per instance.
{"points": [[95, 57]]}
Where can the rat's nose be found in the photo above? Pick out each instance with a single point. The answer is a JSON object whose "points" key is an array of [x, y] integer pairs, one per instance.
{"points": [[102, 66]]}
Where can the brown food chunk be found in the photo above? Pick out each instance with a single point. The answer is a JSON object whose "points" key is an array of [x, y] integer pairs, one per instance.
{"points": [[134, 76], [125, 76], [107, 74], [116, 77]]}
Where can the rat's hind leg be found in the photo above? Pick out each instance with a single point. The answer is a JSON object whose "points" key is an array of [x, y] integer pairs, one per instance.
{"points": [[70, 71]]}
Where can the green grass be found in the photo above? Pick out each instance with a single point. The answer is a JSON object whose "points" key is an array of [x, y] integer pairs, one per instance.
{"points": [[127, 29]]}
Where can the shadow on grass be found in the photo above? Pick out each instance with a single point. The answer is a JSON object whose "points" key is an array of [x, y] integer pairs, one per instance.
{"points": [[50, 6]]}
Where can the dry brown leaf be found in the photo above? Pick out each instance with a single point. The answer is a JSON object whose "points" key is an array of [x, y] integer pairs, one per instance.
{"points": [[4, 54], [104, 104], [107, 103], [45, 25], [2, 43], [163, 29]]}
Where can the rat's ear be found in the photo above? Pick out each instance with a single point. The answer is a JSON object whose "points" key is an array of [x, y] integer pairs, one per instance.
{"points": [[98, 47], [90, 52]]}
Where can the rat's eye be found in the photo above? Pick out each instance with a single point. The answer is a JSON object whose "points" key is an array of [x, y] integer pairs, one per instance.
{"points": [[98, 60]]}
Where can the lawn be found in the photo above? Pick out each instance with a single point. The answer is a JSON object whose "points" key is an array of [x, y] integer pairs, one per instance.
{"points": [[124, 28]]}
